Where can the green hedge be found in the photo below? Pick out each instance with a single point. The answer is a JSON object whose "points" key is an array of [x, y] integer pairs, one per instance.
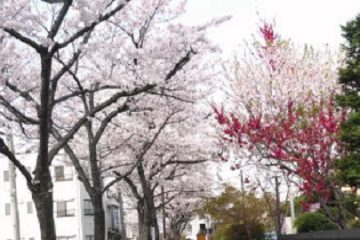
{"points": [[310, 222]]}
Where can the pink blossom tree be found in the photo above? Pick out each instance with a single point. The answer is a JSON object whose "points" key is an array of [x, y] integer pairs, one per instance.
{"points": [[75, 66], [283, 115]]}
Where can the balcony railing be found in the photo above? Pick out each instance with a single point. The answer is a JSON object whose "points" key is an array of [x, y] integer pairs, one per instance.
{"points": [[65, 213]]}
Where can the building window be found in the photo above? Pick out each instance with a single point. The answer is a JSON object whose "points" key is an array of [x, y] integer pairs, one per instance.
{"points": [[7, 209], [63, 174], [6, 176], [189, 227], [114, 214], [29, 207], [65, 238], [89, 237], [88, 207], [202, 228], [65, 208]]}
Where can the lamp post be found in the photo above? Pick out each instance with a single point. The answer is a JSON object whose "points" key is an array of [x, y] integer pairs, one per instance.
{"points": [[13, 190], [277, 208]]}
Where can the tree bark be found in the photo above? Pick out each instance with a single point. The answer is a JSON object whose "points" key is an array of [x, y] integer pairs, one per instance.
{"points": [[148, 224], [122, 215], [43, 199], [99, 218], [174, 233], [42, 187]]}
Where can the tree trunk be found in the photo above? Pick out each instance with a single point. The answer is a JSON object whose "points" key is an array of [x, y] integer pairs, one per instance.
{"points": [[42, 187], [122, 215], [148, 225], [43, 199], [99, 218], [178, 224], [174, 233]]}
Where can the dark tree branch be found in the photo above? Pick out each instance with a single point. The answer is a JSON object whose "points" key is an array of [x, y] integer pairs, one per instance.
{"points": [[113, 99], [180, 64], [6, 152], [76, 162], [24, 94], [119, 177], [147, 145], [24, 39], [107, 120], [133, 188], [59, 19], [86, 29], [17, 113]]}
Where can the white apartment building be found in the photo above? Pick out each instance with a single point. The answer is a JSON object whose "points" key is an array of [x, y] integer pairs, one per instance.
{"points": [[199, 224], [73, 210]]}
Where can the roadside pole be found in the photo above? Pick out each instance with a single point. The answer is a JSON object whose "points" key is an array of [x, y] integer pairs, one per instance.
{"points": [[13, 190], [278, 218]]}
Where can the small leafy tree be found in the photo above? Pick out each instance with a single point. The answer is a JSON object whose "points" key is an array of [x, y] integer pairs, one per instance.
{"points": [[237, 211], [309, 222], [284, 117], [238, 232], [349, 78]]}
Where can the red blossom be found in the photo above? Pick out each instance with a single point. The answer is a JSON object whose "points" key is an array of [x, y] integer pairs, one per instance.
{"points": [[304, 141], [268, 33]]}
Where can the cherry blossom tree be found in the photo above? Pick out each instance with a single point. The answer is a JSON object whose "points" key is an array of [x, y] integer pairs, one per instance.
{"points": [[170, 160], [181, 211], [282, 115], [67, 78], [39, 33], [273, 70], [301, 142], [118, 137]]}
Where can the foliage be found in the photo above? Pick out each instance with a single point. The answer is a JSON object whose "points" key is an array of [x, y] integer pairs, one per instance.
{"points": [[283, 114], [238, 232], [349, 78], [301, 141], [112, 82], [309, 222], [230, 208]]}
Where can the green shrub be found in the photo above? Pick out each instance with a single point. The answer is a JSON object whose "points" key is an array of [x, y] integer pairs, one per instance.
{"points": [[310, 222], [238, 232]]}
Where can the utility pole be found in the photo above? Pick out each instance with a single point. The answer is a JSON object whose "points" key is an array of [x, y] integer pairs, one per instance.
{"points": [[122, 214], [13, 193], [163, 210], [292, 210], [247, 227], [278, 219]]}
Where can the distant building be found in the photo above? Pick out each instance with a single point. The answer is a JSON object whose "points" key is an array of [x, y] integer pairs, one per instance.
{"points": [[199, 224], [73, 209]]}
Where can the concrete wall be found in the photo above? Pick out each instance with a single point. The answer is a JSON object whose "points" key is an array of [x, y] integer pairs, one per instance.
{"points": [[77, 226]]}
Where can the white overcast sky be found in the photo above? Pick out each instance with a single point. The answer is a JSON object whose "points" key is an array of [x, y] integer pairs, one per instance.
{"points": [[315, 22]]}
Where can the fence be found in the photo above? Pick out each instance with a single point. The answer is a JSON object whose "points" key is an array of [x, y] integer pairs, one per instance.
{"points": [[325, 235]]}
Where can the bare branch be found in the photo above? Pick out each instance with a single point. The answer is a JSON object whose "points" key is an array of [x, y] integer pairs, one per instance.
{"points": [[76, 162], [24, 94], [119, 177], [113, 99], [6, 152], [148, 145], [108, 119], [18, 114], [59, 19], [180, 64], [86, 29], [24, 39], [133, 187]]}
